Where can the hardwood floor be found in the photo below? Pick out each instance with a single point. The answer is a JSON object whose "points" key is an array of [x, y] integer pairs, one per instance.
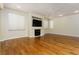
{"points": [[50, 44]]}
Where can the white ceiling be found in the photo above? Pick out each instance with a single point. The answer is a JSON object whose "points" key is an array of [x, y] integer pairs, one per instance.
{"points": [[47, 9]]}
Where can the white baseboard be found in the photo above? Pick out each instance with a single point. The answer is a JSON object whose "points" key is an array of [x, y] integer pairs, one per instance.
{"points": [[3, 39], [11, 38], [16, 37], [66, 34]]}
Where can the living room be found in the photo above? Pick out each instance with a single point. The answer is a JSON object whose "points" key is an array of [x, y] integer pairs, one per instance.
{"points": [[39, 28]]}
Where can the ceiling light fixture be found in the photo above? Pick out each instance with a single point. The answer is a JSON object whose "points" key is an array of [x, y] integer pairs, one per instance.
{"points": [[60, 15], [18, 6], [76, 11]]}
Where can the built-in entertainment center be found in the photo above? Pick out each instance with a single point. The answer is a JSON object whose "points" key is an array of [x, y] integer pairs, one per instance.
{"points": [[37, 26], [36, 23]]}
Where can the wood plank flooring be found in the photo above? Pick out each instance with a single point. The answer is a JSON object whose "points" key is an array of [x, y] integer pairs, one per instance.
{"points": [[49, 44]]}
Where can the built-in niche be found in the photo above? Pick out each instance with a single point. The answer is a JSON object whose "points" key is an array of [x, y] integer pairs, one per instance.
{"points": [[37, 32], [36, 22]]}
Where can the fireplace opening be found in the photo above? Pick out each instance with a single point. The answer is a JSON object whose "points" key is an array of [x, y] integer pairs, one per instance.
{"points": [[37, 32]]}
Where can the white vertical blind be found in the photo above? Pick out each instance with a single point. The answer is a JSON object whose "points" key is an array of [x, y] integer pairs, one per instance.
{"points": [[16, 21]]}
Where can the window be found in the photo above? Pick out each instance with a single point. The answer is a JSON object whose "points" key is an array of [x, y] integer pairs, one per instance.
{"points": [[16, 22]]}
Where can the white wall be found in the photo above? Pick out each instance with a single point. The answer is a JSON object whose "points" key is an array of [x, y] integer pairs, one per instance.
{"points": [[29, 30], [3, 25], [67, 25], [13, 34], [45, 25], [0, 24]]}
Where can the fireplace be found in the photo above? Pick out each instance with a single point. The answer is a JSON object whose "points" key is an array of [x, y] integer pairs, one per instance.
{"points": [[37, 32]]}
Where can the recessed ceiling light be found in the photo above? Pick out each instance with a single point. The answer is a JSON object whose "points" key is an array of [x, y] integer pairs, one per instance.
{"points": [[18, 6], [60, 15], [76, 11]]}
